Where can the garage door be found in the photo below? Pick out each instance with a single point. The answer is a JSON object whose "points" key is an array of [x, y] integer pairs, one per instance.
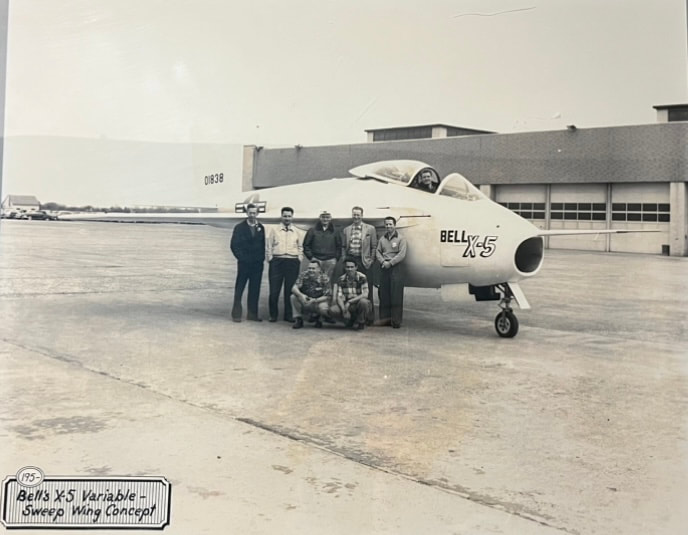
{"points": [[528, 201], [640, 206], [579, 207]]}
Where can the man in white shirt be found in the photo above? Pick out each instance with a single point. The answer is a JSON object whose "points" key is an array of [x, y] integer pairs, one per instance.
{"points": [[283, 251]]}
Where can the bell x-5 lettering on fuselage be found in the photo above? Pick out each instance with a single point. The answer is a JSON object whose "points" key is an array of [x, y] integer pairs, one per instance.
{"points": [[455, 234]]}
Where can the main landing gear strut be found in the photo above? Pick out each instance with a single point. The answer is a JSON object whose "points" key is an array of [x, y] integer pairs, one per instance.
{"points": [[506, 322]]}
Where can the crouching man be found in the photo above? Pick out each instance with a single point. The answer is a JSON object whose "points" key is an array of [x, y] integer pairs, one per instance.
{"points": [[351, 301], [310, 294]]}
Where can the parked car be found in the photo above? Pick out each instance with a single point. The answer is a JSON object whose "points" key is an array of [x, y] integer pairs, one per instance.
{"points": [[39, 214]]}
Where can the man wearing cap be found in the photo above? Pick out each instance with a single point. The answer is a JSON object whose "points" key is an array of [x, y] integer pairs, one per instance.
{"points": [[248, 246], [323, 243], [283, 251], [359, 241]]}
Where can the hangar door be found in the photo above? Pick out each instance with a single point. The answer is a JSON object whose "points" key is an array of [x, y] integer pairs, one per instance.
{"points": [[640, 206], [579, 207], [528, 201]]}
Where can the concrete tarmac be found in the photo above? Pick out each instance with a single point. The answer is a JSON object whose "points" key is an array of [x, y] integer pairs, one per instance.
{"points": [[118, 357]]}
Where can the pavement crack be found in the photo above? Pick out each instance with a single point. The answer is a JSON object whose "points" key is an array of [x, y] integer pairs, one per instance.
{"points": [[462, 492]]}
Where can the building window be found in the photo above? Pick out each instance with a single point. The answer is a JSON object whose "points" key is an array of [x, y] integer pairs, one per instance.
{"points": [[648, 212], [678, 114], [527, 210], [579, 211]]}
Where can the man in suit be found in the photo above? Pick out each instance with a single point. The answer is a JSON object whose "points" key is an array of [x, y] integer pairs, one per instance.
{"points": [[359, 242], [248, 246]]}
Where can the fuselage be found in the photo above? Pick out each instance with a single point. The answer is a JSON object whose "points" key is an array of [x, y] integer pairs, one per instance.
{"points": [[455, 234], [450, 240]]}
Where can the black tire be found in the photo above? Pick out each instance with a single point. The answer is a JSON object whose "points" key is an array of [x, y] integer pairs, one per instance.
{"points": [[506, 324]]}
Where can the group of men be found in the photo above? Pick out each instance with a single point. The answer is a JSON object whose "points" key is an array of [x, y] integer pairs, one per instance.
{"points": [[337, 283]]}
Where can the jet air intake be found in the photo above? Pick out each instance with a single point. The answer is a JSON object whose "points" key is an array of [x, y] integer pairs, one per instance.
{"points": [[529, 255]]}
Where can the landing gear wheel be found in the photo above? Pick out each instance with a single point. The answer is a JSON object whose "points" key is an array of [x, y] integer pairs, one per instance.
{"points": [[506, 324]]}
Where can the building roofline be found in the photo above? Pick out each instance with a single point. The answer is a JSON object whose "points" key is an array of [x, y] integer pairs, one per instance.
{"points": [[428, 125], [670, 106]]}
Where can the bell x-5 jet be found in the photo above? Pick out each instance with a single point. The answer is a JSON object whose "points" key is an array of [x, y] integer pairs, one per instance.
{"points": [[456, 235]]}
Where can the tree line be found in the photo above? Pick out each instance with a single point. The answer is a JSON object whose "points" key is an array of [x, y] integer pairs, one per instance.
{"points": [[57, 207]]}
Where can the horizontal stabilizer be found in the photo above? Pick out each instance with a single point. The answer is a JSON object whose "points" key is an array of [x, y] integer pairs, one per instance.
{"points": [[240, 207]]}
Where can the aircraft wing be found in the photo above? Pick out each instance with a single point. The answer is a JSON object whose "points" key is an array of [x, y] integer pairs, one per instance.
{"points": [[574, 232], [406, 217], [215, 219]]}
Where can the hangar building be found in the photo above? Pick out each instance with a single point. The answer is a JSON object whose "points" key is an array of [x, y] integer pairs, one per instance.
{"points": [[626, 177]]}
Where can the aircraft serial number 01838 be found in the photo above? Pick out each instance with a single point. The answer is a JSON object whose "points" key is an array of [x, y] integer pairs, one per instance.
{"points": [[455, 234]]}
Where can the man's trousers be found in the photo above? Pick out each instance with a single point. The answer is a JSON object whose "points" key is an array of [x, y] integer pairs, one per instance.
{"points": [[251, 273], [282, 271], [391, 294]]}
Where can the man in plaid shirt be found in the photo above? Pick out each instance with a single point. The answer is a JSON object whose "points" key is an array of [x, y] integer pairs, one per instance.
{"points": [[352, 302]]}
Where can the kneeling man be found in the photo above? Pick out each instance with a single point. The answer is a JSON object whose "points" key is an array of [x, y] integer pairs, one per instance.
{"points": [[310, 294], [351, 302]]}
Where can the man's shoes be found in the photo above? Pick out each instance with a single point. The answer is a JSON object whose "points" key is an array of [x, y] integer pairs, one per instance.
{"points": [[382, 323], [236, 320], [312, 318], [298, 323], [327, 319], [272, 320], [318, 324], [359, 326], [395, 325], [291, 320], [369, 322], [255, 319]]}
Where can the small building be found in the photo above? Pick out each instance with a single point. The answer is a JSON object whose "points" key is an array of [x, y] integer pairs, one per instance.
{"points": [[670, 113], [20, 202], [425, 131]]}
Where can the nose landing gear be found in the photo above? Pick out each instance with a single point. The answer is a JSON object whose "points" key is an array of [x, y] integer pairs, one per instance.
{"points": [[506, 323]]}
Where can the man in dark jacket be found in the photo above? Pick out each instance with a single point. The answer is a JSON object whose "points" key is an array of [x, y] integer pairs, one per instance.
{"points": [[248, 246], [323, 243]]}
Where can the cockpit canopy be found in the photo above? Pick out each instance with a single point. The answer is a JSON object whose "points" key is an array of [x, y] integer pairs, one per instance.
{"points": [[421, 176], [456, 186]]}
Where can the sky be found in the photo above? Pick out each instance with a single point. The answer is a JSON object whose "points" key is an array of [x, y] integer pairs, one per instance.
{"points": [[182, 73]]}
